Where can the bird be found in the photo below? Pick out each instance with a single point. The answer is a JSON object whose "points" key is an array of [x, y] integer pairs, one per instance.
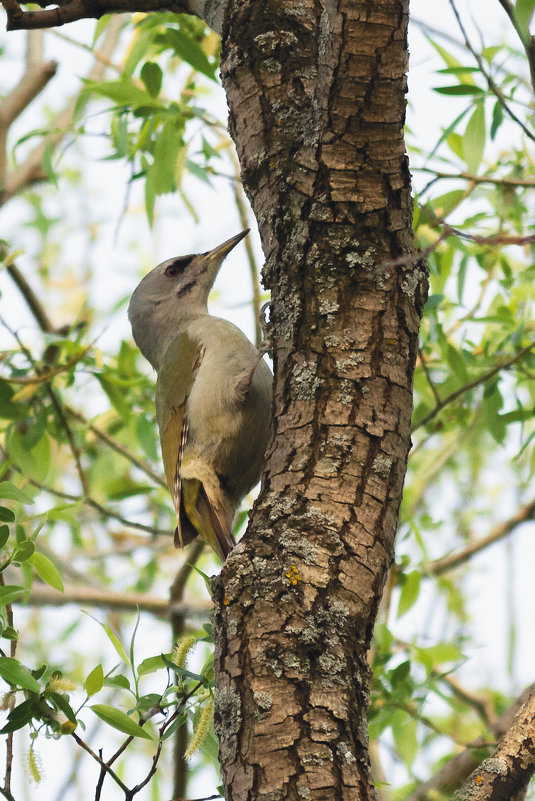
{"points": [[213, 395]]}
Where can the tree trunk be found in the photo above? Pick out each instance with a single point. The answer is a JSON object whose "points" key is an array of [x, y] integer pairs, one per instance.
{"points": [[317, 104]]}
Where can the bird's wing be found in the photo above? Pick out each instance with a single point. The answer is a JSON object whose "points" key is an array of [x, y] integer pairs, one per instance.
{"points": [[175, 380]]}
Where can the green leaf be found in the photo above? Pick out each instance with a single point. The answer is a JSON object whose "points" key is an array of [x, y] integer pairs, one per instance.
{"points": [[124, 93], [115, 392], [10, 593], [6, 515], [24, 551], [13, 672], [165, 155], [32, 462], [455, 143], [436, 655], [8, 409], [46, 570], [20, 716], [188, 50], [95, 681], [457, 70], [119, 720], [401, 674], [456, 362], [9, 490], [404, 734], [48, 167], [62, 704], [474, 139], [409, 592], [152, 663], [115, 641], [523, 14], [186, 674], [4, 535], [497, 118], [492, 403], [151, 75], [117, 681], [460, 89]]}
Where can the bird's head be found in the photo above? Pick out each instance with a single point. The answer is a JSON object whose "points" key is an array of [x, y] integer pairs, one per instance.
{"points": [[173, 292]]}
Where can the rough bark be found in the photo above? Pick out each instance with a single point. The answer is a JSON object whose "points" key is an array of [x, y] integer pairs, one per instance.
{"points": [[317, 103], [505, 775], [460, 766]]}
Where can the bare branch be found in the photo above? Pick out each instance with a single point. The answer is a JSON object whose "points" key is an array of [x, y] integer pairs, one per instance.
{"points": [[211, 11], [461, 765], [116, 446], [101, 762], [33, 81], [505, 775], [43, 595], [482, 379], [30, 85], [105, 512], [34, 304], [31, 170], [477, 179], [440, 566]]}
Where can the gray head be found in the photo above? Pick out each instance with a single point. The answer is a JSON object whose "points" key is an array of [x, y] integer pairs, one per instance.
{"points": [[175, 291]]}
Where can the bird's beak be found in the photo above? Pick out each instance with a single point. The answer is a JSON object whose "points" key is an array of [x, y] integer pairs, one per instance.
{"points": [[221, 251]]}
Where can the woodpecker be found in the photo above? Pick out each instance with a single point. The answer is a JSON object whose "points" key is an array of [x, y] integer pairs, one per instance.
{"points": [[213, 395]]}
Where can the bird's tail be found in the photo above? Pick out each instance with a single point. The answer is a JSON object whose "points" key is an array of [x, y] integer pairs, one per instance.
{"points": [[205, 508]]}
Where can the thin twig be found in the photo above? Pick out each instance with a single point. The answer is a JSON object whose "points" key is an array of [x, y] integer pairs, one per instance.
{"points": [[477, 179], [41, 378], [176, 594], [105, 512], [527, 41], [118, 447], [36, 307], [9, 739], [253, 267], [482, 379], [492, 86], [102, 764], [75, 450], [430, 381]]}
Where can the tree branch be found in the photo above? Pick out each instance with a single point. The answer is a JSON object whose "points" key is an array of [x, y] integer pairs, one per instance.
{"points": [[482, 379], [108, 513], [34, 304], [211, 11], [43, 595], [439, 566], [461, 765], [31, 170], [116, 446], [527, 41], [35, 78], [504, 776], [477, 179]]}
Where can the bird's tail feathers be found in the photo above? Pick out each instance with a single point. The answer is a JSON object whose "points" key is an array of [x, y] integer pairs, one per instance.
{"points": [[205, 507]]}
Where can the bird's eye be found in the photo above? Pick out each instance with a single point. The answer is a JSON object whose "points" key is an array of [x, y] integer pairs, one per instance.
{"points": [[177, 266]]}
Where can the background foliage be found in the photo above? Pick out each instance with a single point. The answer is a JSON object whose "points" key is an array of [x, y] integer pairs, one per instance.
{"points": [[97, 173]]}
